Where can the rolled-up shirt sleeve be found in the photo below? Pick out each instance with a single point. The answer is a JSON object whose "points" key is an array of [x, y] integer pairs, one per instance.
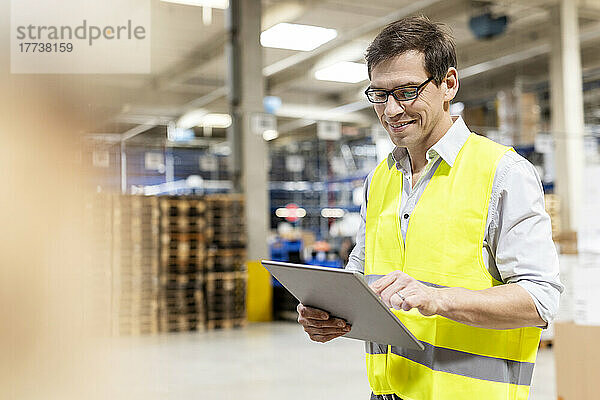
{"points": [[520, 235]]}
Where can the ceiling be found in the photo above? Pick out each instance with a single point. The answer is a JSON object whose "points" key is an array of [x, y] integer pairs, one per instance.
{"points": [[188, 62]]}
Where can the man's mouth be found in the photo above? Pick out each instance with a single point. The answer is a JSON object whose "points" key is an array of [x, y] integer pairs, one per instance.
{"points": [[400, 124]]}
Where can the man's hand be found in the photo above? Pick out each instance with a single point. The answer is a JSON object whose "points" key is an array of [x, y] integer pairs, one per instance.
{"points": [[402, 292], [319, 325]]}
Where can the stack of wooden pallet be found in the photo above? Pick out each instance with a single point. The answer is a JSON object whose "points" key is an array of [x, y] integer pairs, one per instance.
{"points": [[183, 253], [135, 264], [226, 275], [179, 263]]}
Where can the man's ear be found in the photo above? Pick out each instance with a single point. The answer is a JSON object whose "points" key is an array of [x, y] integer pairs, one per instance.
{"points": [[450, 84]]}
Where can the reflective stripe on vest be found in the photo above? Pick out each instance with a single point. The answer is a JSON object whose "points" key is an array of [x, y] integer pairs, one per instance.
{"points": [[443, 249], [462, 363]]}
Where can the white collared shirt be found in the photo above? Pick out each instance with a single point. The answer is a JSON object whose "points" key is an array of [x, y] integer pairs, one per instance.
{"points": [[518, 246]]}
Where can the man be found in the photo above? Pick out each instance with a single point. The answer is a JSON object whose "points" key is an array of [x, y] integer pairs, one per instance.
{"points": [[454, 236]]}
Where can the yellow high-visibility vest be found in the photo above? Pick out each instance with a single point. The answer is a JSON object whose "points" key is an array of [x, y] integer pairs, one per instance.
{"points": [[443, 248]]}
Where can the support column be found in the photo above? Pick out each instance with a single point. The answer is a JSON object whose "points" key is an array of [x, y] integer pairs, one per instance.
{"points": [[123, 168], [566, 89], [246, 90]]}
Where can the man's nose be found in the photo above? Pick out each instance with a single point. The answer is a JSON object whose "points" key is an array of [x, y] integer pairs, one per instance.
{"points": [[393, 107]]}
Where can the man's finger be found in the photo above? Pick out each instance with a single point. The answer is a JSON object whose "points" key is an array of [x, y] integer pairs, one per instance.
{"points": [[311, 313], [408, 304], [317, 323], [392, 288], [330, 323], [326, 331], [396, 301], [381, 283]]}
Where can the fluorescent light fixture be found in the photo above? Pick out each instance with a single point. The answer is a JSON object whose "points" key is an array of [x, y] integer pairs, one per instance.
{"points": [[222, 4], [216, 121], [296, 36], [201, 117], [290, 212], [345, 71], [332, 213], [270, 134]]}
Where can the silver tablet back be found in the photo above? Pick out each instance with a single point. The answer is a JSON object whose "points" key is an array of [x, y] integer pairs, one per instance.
{"points": [[344, 294]]}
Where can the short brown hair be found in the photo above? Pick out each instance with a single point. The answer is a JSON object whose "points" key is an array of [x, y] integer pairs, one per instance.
{"points": [[415, 33]]}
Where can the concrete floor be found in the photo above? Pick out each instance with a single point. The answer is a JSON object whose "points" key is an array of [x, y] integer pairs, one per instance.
{"points": [[268, 361]]}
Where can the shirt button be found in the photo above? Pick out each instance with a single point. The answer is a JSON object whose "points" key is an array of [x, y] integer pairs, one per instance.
{"points": [[406, 216]]}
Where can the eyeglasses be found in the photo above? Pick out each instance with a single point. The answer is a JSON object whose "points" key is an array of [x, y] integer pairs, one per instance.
{"points": [[403, 93]]}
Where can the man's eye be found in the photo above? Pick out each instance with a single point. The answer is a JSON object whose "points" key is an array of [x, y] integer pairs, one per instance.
{"points": [[378, 95], [406, 93]]}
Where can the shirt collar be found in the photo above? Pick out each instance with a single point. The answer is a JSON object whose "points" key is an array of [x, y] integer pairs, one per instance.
{"points": [[447, 147]]}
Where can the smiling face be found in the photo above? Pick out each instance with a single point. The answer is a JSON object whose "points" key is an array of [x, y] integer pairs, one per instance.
{"points": [[417, 123]]}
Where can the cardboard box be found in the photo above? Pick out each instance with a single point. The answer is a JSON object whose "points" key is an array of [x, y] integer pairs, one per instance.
{"points": [[576, 355]]}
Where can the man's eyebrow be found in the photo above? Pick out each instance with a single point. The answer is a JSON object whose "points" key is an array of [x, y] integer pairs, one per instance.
{"points": [[397, 87]]}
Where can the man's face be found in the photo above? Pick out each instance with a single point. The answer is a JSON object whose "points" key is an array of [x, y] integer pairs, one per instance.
{"points": [[411, 122]]}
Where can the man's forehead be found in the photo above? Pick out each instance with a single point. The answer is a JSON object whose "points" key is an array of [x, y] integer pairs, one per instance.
{"points": [[404, 69], [391, 80]]}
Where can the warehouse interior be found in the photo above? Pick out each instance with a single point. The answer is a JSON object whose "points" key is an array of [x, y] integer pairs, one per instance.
{"points": [[138, 206]]}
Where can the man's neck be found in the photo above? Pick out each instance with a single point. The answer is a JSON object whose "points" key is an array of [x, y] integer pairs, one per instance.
{"points": [[418, 153]]}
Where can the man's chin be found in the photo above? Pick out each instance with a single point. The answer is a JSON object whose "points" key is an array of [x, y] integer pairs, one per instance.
{"points": [[400, 140]]}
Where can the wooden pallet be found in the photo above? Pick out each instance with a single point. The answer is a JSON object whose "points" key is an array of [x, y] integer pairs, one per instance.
{"points": [[184, 223], [174, 258], [180, 292], [173, 238], [219, 281], [191, 327], [182, 205], [186, 309], [183, 250], [174, 322], [193, 278], [225, 295], [182, 268], [228, 242], [226, 260]]}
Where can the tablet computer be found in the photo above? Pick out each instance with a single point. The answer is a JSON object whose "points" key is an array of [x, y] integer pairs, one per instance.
{"points": [[346, 295]]}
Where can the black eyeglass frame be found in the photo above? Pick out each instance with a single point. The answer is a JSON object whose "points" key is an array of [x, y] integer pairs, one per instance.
{"points": [[417, 88]]}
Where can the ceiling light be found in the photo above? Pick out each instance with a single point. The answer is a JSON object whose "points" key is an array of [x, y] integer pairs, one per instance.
{"points": [[332, 213], [290, 212], [200, 117], [270, 134], [216, 121], [345, 71], [222, 4], [296, 36]]}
